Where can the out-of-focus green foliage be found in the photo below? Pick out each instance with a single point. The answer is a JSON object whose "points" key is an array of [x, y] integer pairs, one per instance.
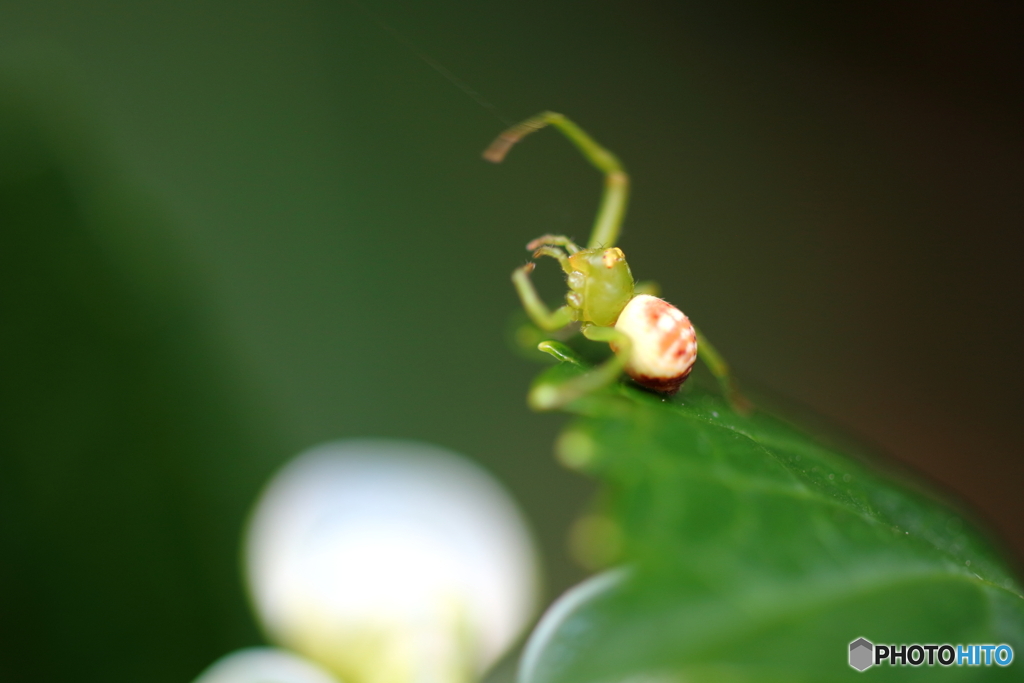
{"points": [[128, 452], [755, 552]]}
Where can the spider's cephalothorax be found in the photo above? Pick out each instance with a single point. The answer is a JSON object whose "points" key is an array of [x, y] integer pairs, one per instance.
{"points": [[653, 341], [600, 285]]}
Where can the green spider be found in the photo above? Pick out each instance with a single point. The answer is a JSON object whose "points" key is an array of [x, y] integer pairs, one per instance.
{"points": [[652, 340]]}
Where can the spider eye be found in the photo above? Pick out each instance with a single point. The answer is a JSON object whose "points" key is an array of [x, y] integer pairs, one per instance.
{"points": [[612, 256]]}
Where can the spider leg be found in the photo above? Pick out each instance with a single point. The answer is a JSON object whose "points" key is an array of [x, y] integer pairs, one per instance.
{"points": [[551, 396], [720, 369], [616, 183], [540, 314], [556, 240], [555, 253]]}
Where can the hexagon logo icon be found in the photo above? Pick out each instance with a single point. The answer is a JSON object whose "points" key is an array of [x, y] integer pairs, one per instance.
{"points": [[861, 654]]}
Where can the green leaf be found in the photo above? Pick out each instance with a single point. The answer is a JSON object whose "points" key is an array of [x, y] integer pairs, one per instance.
{"points": [[753, 551]]}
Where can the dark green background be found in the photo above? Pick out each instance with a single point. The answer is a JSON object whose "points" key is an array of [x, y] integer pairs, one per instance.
{"points": [[229, 231]]}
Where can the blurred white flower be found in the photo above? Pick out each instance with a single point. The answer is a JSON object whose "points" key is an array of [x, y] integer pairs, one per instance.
{"points": [[391, 562], [264, 665]]}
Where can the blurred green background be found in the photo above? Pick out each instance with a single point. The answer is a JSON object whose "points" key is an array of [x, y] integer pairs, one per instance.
{"points": [[233, 230]]}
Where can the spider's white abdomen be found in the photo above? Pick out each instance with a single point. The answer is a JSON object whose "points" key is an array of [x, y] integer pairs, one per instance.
{"points": [[664, 343]]}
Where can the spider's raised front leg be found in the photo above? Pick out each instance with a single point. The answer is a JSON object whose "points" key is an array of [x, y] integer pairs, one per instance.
{"points": [[720, 369], [543, 317], [551, 396], [608, 223]]}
